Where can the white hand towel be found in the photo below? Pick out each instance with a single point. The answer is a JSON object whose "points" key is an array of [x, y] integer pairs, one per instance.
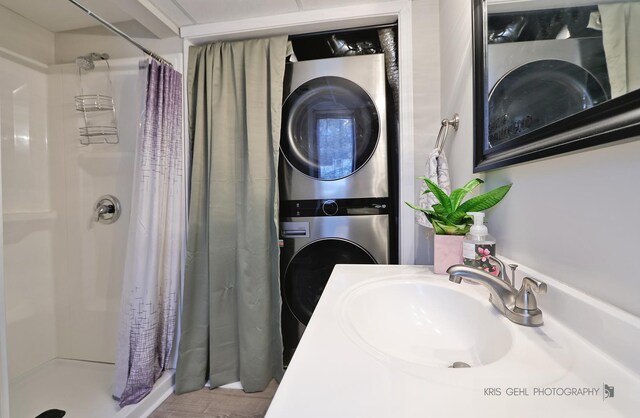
{"points": [[437, 170]]}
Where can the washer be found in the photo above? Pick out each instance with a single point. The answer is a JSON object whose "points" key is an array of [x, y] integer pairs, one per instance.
{"points": [[312, 246], [334, 131], [535, 83]]}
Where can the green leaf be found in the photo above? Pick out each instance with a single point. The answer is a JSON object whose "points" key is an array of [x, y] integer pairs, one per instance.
{"points": [[459, 217], [458, 194], [439, 194], [485, 201], [437, 208], [414, 207], [437, 228], [441, 228]]}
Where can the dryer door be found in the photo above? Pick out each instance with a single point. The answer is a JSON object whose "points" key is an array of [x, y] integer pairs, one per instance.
{"points": [[309, 270], [330, 128], [537, 94]]}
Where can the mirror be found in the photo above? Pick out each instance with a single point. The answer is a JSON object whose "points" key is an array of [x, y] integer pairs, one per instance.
{"points": [[553, 76]]}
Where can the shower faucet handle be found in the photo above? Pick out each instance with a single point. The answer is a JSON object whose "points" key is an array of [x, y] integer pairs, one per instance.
{"points": [[102, 210], [107, 209]]}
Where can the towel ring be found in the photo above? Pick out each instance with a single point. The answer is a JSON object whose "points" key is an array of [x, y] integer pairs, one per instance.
{"points": [[442, 138]]}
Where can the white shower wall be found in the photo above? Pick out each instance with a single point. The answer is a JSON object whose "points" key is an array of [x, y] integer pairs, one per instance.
{"points": [[63, 271], [89, 281], [28, 216]]}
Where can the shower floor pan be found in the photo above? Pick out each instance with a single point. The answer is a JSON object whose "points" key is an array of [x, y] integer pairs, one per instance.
{"points": [[81, 388]]}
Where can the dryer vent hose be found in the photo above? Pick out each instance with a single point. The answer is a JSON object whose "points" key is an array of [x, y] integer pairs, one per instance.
{"points": [[389, 45]]}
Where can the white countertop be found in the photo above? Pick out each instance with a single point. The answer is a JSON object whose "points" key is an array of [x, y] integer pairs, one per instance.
{"points": [[548, 371]]}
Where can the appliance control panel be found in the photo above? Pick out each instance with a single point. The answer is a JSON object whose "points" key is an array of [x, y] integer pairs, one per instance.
{"points": [[335, 207]]}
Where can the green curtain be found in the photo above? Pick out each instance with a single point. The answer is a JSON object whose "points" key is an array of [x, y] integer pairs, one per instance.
{"points": [[230, 324]]}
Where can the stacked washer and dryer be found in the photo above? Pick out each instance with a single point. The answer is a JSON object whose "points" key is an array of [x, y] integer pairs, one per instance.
{"points": [[333, 179]]}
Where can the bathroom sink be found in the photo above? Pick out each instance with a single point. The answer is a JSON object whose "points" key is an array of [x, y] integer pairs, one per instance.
{"points": [[425, 323], [388, 334]]}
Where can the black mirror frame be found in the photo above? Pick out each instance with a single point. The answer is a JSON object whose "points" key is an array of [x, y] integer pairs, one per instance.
{"points": [[613, 120]]}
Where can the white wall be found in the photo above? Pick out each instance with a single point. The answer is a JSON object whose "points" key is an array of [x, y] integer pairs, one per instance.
{"points": [[442, 87], [570, 217], [91, 255], [62, 271], [426, 103], [23, 37], [70, 44], [456, 81], [575, 218], [28, 217]]}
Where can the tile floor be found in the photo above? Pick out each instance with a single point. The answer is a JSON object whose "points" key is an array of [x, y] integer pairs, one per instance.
{"points": [[217, 403]]}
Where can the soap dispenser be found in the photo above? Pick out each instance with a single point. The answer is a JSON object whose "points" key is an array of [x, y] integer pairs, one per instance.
{"points": [[478, 245]]}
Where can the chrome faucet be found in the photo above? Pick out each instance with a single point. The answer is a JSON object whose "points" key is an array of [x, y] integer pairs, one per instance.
{"points": [[519, 306]]}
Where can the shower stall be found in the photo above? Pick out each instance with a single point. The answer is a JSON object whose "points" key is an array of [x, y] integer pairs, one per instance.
{"points": [[63, 270]]}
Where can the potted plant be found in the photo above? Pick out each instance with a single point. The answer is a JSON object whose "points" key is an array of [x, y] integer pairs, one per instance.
{"points": [[451, 221]]}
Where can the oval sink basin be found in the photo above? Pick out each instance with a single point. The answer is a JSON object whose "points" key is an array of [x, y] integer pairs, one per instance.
{"points": [[425, 324]]}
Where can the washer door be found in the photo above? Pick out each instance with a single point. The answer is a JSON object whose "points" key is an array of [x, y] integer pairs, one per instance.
{"points": [[330, 128], [309, 270]]}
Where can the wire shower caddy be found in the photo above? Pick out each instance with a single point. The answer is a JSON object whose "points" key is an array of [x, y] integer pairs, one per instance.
{"points": [[99, 113]]}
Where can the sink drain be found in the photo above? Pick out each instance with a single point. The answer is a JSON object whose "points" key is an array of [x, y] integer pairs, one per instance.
{"points": [[459, 365]]}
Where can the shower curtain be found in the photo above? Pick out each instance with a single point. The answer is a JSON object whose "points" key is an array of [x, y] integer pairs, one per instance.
{"points": [[231, 305], [156, 236]]}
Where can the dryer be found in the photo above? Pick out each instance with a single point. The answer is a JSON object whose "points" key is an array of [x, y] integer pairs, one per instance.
{"points": [[334, 132], [587, 53], [535, 83], [313, 245]]}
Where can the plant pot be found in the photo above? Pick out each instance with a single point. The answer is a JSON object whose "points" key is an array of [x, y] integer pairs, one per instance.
{"points": [[447, 252]]}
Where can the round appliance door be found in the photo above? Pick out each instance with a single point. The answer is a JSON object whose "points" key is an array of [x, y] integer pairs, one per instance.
{"points": [[309, 270], [330, 128], [537, 94]]}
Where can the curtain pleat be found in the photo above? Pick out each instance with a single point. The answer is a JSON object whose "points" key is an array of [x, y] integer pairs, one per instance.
{"points": [[231, 313], [621, 41]]}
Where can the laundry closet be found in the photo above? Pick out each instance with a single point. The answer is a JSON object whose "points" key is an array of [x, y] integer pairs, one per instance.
{"points": [[337, 172]]}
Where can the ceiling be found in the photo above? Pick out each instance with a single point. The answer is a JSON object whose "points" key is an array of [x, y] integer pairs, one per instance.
{"points": [[61, 15]]}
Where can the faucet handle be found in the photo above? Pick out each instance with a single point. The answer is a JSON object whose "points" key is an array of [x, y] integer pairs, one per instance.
{"points": [[513, 274], [525, 299], [107, 209]]}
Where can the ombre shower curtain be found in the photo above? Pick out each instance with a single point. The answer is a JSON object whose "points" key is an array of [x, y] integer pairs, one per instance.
{"points": [[230, 323], [151, 286]]}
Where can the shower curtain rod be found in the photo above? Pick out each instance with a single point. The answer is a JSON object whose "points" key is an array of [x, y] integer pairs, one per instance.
{"points": [[122, 34]]}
